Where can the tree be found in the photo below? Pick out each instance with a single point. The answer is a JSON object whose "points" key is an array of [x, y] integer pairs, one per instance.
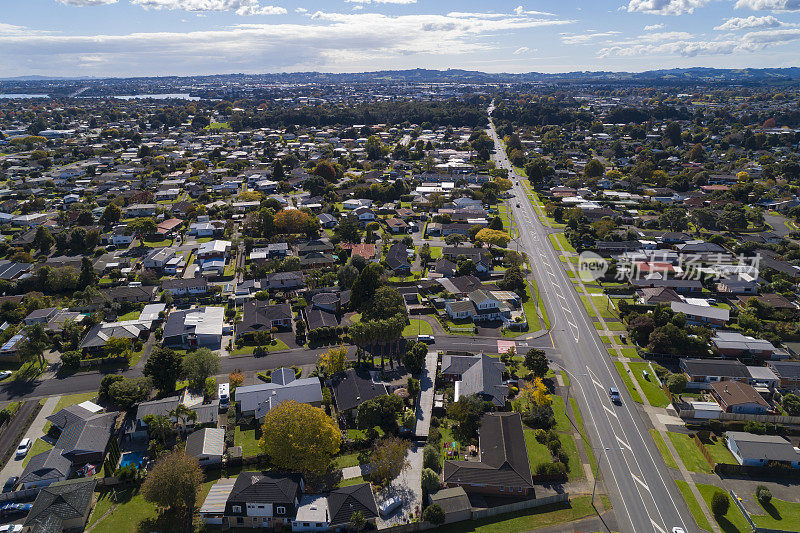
{"points": [[365, 285], [174, 482], [720, 503], [294, 221], [676, 383], [431, 458], [414, 358], [183, 414], [88, 276], [493, 237], [433, 514], [106, 383], [536, 393], [386, 303], [43, 240], [300, 437], [118, 347], [593, 169], [326, 170], [380, 411], [467, 413], [413, 387], [142, 226], [333, 361], [348, 230], [513, 280], [387, 460], [536, 362], [235, 379], [791, 404], [125, 393], [159, 427], [672, 134], [197, 366], [358, 521], [34, 344], [430, 481], [163, 367], [763, 495]]}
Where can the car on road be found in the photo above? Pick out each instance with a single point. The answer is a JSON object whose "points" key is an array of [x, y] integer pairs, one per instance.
{"points": [[389, 506], [11, 528], [613, 393], [24, 447], [517, 204], [427, 339], [5, 374], [10, 483], [677, 529]]}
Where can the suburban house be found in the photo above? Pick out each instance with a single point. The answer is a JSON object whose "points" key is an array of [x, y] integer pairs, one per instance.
{"points": [[734, 344], [760, 450], [53, 318], [84, 440], [191, 328], [259, 399], [397, 258], [44, 469], [215, 249], [502, 468], [62, 506], [480, 306], [788, 373], [184, 287], [207, 445], [701, 373], [320, 512], [476, 374], [207, 414], [455, 504], [285, 280], [96, 338], [738, 397], [260, 315], [263, 500], [702, 315], [351, 388]]}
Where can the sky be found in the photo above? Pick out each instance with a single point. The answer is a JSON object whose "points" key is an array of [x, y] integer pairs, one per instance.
{"points": [[194, 37]]}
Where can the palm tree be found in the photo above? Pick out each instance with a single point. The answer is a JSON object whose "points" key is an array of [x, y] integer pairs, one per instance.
{"points": [[183, 413], [159, 427]]}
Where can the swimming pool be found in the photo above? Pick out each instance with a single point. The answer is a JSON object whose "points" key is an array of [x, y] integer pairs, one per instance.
{"points": [[131, 458]]}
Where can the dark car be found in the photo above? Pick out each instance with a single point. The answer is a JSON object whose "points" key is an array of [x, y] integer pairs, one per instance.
{"points": [[12, 508], [10, 483]]}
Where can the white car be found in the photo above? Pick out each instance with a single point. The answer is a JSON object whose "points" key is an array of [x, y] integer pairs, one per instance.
{"points": [[24, 447], [11, 528], [3, 375], [677, 529]]}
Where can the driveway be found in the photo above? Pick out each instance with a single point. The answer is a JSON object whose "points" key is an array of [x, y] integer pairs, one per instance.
{"points": [[425, 402], [408, 486], [36, 430]]}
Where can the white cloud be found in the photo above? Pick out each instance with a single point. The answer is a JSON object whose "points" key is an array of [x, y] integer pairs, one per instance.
{"points": [[521, 50], [300, 10], [740, 23], [241, 7], [381, 1], [519, 10], [653, 27], [771, 5], [584, 38], [665, 7], [83, 3]]}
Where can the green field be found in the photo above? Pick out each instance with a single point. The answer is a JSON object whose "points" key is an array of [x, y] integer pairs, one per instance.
{"points": [[779, 515], [663, 450], [537, 452], [417, 327], [694, 505], [719, 452], [733, 521], [655, 394], [689, 453], [246, 438]]}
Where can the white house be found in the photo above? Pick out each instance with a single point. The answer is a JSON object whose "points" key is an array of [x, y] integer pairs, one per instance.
{"points": [[759, 450], [206, 445]]}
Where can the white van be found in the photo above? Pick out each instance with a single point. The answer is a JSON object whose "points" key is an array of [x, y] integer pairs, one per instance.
{"points": [[224, 395]]}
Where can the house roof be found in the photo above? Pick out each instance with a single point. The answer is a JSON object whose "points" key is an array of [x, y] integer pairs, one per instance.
{"points": [[733, 340], [262, 397], [59, 502], [715, 313], [768, 447], [319, 318], [503, 455], [46, 465], [344, 501], [265, 487], [207, 441], [452, 500], [89, 435], [737, 393], [786, 369], [68, 415], [397, 257], [259, 315], [352, 388], [715, 367], [200, 321]]}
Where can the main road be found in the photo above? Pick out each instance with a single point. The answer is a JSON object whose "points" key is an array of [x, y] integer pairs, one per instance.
{"points": [[643, 491]]}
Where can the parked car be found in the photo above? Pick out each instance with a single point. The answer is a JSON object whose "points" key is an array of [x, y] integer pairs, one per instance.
{"points": [[12, 508], [24, 447], [613, 393], [10, 483], [427, 339], [11, 528], [389, 506], [5, 373]]}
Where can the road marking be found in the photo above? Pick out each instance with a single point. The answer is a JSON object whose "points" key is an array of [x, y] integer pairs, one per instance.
{"points": [[599, 385], [610, 411], [640, 482], [550, 333], [624, 443], [658, 528]]}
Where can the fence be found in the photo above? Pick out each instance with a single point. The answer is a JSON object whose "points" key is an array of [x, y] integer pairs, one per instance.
{"points": [[704, 451], [519, 506], [755, 472], [764, 419]]}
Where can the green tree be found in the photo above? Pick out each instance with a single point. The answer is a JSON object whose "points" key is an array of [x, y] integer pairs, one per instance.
{"points": [[111, 214], [676, 383], [791, 404], [118, 347], [433, 514], [536, 362], [720, 503], [199, 365], [348, 230], [365, 285], [159, 427], [163, 367], [431, 458], [415, 357], [388, 460], [593, 169], [43, 240], [385, 303], [88, 276], [174, 482], [380, 411], [430, 481], [467, 413], [125, 393]]}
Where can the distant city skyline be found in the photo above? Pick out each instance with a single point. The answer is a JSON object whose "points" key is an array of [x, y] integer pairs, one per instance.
{"points": [[186, 37]]}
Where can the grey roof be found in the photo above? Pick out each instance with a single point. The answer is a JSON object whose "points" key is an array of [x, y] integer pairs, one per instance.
{"points": [[480, 374], [729, 368], [89, 435], [157, 407], [259, 315], [452, 500], [345, 501], [70, 414], [100, 333], [207, 441], [46, 465], [352, 388], [768, 447], [61, 501], [786, 369], [261, 398], [265, 487]]}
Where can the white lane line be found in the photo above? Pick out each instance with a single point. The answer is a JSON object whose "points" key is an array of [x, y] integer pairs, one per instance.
{"points": [[610, 411], [658, 528], [624, 443], [640, 482]]}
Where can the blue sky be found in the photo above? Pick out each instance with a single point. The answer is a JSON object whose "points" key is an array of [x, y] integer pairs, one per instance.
{"points": [[183, 37]]}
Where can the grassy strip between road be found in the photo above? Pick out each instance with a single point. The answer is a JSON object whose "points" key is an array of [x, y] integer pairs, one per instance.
{"points": [[417, 327], [528, 519], [542, 308], [694, 505], [690, 454], [576, 413], [731, 522], [663, 450], [655, 394], [628, 383]]}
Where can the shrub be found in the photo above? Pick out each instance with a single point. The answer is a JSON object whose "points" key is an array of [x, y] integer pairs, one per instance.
{"points": [[430, 481], [554, 470], [541, 436], [71, 359], [763, 494], [431, 458], [720, 503], [433, 514]]}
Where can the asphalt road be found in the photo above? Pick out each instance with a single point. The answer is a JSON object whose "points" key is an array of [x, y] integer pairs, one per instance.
{"points": [[642, 490]]}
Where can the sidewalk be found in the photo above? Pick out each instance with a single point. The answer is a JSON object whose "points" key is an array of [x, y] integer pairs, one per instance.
{"points": [[355, 471], [36, 430]]}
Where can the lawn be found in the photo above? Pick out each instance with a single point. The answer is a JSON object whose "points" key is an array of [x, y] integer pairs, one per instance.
{"points": [[561, 239], [575, 467], [350, 459], [559, 410], [719, 452], [417, 327], [694, 505], [275, 346], [537, 452], [529, 519], [436, 252], [246, 438], [630, 353], [689, 453], [352, 481], [133, 315], [780, 515], [158, 244], [663, 450], [733, 521], [628, 383], [655, 394], [130, 511], [542, 309], [38, 446], [576, 413]]}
